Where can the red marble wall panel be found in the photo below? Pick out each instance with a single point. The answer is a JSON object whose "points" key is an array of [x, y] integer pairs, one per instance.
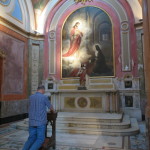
{"points": [[14, 84]]}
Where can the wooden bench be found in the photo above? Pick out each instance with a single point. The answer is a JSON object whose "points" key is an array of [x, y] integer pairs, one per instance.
{"points": [[50, 141]]}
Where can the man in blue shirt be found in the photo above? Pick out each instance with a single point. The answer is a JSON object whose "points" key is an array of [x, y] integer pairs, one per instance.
{"points": [[38, 104]]}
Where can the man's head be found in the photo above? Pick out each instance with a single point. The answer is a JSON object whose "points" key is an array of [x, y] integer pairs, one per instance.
{"points": [[41, 89]]}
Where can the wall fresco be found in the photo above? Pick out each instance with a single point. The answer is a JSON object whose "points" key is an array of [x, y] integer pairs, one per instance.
{"points": [[5, 2], [39, 4], [17, 13]]}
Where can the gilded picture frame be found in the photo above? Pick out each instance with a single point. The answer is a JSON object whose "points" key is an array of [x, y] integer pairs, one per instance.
{"points": [[87, 39]]}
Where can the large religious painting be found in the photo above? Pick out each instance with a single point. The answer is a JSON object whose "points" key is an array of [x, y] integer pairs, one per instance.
{"points": [[87, 40]]}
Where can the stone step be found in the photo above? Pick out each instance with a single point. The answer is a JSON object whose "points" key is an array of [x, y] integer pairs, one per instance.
{"points": [[133, 130], [128, 126], [125, 124], [90, 117]]}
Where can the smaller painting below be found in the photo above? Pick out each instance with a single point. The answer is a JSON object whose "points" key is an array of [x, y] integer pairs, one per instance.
{"points": [[128, 84], [128, 101], [50, 86]]}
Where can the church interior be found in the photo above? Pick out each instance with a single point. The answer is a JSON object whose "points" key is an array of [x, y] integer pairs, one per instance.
{"points": [[92, 56]]}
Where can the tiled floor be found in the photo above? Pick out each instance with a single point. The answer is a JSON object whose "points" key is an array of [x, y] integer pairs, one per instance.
{"points": [[139, 142], [13, 139]]}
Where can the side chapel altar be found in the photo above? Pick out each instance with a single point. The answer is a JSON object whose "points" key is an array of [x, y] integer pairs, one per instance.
{"points": [[100, 95], [88, 71]]}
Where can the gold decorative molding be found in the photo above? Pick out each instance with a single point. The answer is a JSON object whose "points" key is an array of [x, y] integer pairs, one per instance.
{"points": [[104, 86], [83, 1], [2, 54], [70, 81], [68, 87], [108, 80]]}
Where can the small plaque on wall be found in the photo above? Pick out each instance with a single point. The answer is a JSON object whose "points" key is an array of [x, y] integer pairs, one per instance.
{"points": [[128, 101], [128, 84], [50, 86]]}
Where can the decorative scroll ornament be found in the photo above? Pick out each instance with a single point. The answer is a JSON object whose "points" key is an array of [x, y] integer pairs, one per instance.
{"points": [[52, 34], [125, 26], [83, 1]]}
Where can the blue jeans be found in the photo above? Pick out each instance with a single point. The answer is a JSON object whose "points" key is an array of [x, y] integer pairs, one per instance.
{"points": [[36, 138]]}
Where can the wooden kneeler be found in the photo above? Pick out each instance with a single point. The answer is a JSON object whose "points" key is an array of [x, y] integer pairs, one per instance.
{"points": [[50, 141]]}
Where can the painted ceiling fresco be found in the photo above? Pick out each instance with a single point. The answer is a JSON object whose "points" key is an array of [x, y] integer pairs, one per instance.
{"points": [[39, 4], [140, 1], [4, 2], [17, 12]]}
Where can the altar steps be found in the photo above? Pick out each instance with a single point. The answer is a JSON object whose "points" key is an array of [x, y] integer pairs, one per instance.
{"points": [[133, 130], [96, 123], [90, 117], [92, 123]]}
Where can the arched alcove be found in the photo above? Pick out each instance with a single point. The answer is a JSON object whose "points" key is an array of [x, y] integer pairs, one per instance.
{"points": [[81, 43], [122, 18]]}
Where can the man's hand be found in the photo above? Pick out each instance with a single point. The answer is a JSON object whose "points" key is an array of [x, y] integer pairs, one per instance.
{"points": [[52, 110]]}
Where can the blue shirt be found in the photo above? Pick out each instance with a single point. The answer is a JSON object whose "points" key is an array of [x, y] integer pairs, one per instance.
{"points": [[38, 104]]}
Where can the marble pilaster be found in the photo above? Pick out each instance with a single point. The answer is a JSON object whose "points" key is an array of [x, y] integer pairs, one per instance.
{"points": [[146, 25], [108, 102]]}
